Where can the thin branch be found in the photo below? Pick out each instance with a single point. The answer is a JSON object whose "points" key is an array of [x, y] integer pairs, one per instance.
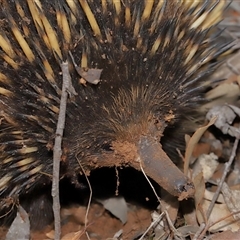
{"points": [[209, 225], [152, 225], [145, 175], [57, 149], [226, 170], [173, 229], [90, 196]]}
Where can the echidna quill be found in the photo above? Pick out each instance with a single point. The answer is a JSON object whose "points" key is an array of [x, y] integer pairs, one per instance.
{"points": [[154, 57]]}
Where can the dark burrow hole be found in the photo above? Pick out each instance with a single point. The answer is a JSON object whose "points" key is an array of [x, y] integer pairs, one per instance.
{"points": [[133, 186]]}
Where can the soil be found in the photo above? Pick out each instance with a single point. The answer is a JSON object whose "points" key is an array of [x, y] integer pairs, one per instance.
{"points": [[138, 221]]}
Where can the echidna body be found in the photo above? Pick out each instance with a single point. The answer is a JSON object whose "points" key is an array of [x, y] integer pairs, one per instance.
{"points": [[154, 55]]}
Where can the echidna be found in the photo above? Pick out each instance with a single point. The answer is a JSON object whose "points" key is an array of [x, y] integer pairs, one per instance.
{"points": [[154, 57]]}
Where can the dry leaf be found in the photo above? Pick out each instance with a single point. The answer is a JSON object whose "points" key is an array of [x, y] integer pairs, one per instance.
{"points": [[226, 235], [219, 212], [188, 208], [232, 200], [20, 227], [73, 235], [225, 117], [158, 227], [118, 234], [117, 206], [187, 230], [209, 196], [199, 184], [193, 141], [50, 234], [170, 204], [224, 90], [207, 164]]}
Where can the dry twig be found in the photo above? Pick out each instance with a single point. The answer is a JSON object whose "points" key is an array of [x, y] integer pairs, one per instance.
{"points": [[226, 170], [90, 195], [57, 149]]}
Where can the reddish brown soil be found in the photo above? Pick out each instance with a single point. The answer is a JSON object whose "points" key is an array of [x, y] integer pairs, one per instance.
{"points": [[101, 224]]}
